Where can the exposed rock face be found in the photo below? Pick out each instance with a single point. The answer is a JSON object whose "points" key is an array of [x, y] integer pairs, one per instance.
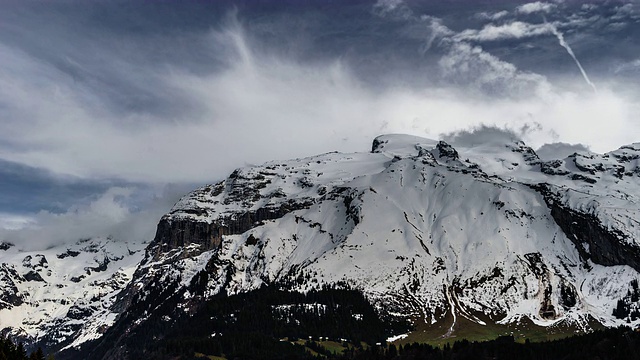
{"points": [[528, 154], [446, 150], [33, 276], [10, 295], [540, 270], [179, 233], [593, 240], [553, 167], [175, 234]]}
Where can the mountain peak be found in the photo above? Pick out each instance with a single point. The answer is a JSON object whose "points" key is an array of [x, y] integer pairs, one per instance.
{"points": [[400, 144]]}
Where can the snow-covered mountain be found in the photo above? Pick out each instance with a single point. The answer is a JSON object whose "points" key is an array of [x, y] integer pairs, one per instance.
{"points": [[63, 295], [440, 234]]}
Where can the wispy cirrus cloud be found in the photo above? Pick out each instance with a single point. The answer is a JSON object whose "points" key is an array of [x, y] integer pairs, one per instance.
{"points": [[631, 66], [492, 16], [488, 74], [512, 30]]}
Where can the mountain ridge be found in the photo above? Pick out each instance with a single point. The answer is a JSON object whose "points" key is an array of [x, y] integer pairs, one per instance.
{"points": [[249, 200], [429, 231]]}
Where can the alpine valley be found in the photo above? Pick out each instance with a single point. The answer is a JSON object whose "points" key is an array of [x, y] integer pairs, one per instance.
{"points": [[415, 240]]}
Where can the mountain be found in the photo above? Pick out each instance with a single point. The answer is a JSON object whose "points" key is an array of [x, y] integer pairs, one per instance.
{"points": [[62, 295], [449, 237]]}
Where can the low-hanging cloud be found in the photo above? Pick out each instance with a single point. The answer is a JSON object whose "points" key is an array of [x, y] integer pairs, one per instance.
{"points": [[559, 150], [482, 135], [112, 214]]}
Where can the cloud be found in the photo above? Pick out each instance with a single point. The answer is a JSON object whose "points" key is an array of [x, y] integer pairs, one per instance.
{"points": [[513, 30], [534, 7], [566, 46], [631, 66], [112, 214], [259, 104], [258, 108], [559, 150], [487, 74], [266, 104], [493, 16], [388, 5], [394, 8], [484, 135], [481, 135], [26, 189], [10, 221], [436, 30]]}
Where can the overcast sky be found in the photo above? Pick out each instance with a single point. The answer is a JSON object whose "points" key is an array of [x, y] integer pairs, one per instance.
{"points": [[111, 110]]}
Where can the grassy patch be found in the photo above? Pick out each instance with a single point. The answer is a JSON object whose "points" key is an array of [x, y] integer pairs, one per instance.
{"points": [[210, 357], [436, 334], [332, 346]]}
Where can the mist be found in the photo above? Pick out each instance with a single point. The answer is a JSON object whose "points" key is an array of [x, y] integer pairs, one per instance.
{"points": [[122, 214]]}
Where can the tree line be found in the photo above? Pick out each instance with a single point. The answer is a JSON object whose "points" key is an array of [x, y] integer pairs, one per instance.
{"points": [[10, 351]]}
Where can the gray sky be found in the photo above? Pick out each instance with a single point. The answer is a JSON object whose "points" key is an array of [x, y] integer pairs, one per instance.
{"points": [[119, 107]]}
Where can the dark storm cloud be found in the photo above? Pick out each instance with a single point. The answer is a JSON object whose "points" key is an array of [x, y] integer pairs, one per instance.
{"points": [[114, 52], [27, 190]]}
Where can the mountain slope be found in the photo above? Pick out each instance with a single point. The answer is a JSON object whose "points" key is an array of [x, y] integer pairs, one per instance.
{"points": [[443, 235], [485, 234], [63, 295]]}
